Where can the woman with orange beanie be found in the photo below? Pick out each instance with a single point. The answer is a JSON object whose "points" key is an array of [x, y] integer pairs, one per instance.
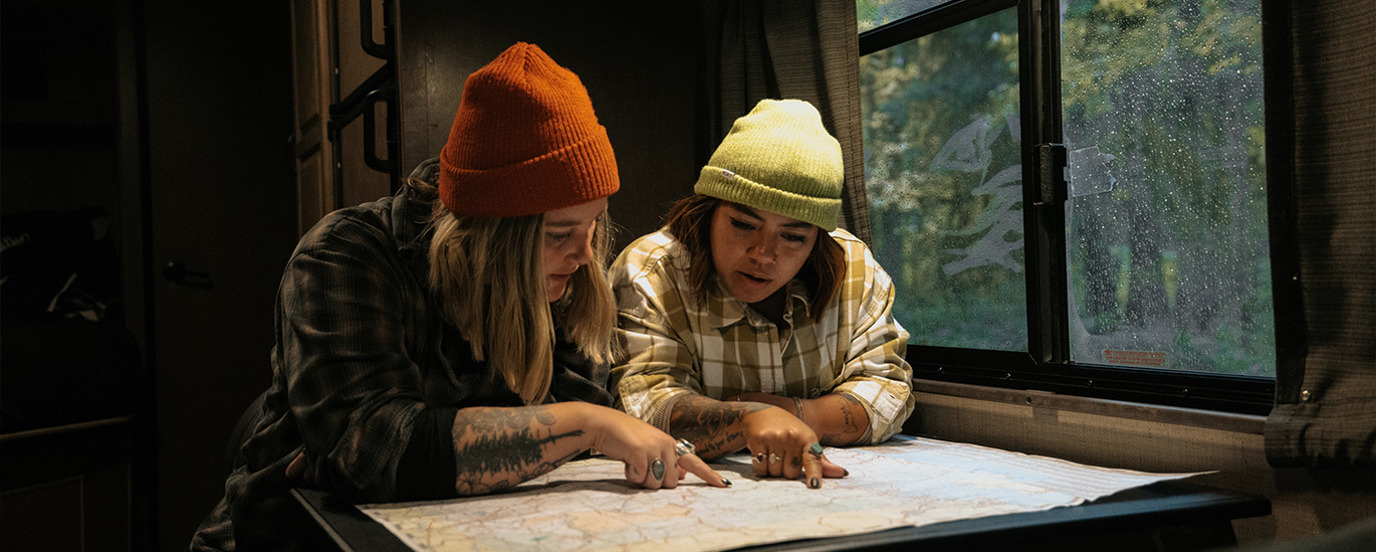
{"points": [[452, 339]]}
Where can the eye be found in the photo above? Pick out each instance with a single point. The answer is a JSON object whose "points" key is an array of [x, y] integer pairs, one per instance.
{"points": [[795, 238], [741, 225], [556, 239]]}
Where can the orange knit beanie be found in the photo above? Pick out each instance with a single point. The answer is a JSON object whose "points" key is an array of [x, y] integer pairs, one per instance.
{"points": [[525, 141]]}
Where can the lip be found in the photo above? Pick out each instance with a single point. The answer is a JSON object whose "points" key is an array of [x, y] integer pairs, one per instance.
{"points": [[754, 279]]}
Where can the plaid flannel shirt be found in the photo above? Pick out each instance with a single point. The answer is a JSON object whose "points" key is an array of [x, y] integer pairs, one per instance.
{"points": [[719, 347], [361, 349]]}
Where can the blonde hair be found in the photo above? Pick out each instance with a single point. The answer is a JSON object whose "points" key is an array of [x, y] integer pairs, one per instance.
{"points": [[488, 276]]}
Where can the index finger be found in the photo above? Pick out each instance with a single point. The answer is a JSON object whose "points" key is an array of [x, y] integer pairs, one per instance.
{"points": [[812, 470], [694, 465]]}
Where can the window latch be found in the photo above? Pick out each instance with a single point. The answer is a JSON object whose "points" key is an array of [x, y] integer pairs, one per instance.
{"points": [[1051, 181]]}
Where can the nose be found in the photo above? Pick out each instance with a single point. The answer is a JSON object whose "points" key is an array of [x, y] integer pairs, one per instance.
{"points": [[763, 251], [582, 251]]}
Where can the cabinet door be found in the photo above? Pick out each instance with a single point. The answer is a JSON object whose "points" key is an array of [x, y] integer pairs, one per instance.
{"points": [[220, 202], [358, 55], [358, 182], [311, 89], [343, 151]]}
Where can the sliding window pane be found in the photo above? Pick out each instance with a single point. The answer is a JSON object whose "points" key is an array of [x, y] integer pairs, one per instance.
{"points": [[877, 13], [1167, 244], [944, 178]]}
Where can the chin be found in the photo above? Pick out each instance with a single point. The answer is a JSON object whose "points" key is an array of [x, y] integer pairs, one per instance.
{"points": [[752, 297]]}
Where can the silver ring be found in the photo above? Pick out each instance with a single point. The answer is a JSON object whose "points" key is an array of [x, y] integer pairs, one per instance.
{"points": [[773, 458], [657, 468], [760, 457], [684, 447]]}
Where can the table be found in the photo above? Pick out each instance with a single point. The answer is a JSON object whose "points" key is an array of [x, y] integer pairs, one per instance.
{"points": [[1170, 515]]}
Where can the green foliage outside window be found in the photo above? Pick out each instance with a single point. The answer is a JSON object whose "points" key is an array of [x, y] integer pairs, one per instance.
{"points": [[1166, 221]]}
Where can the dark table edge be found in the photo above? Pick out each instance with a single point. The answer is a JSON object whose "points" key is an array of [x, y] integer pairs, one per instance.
{"points": [[1160, 504], [349, 528]]}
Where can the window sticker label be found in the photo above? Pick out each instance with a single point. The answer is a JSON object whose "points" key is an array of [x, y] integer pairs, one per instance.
{"points": [[1135, 358]]}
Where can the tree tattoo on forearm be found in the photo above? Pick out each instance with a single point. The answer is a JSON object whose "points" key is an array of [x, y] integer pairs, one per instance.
{"points": [[498, 448]]}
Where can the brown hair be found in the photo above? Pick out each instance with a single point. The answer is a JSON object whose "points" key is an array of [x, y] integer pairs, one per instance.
{"points": [[690, 221]]}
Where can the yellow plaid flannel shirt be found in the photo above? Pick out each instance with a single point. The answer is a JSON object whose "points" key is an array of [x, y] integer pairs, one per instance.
{"points": [[676, 344]]}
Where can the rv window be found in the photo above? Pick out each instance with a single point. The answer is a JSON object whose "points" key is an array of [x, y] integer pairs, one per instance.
{"points": [[1111, 243]]}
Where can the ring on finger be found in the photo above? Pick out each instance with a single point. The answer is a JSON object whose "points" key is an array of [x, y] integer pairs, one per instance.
{"points": [[657, 468], [774, 458], [760, 457], [815, 448], [684, 447]]}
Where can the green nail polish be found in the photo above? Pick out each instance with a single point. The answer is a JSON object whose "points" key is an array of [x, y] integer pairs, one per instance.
{"points": [[726, 481], [815, 483]]}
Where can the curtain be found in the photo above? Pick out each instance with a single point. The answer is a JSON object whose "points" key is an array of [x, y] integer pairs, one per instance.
{"points": [[1324, 237], [787, 49]]}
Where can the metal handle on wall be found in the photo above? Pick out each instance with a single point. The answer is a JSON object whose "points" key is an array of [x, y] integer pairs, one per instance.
{"points": [[387, 95], [365, 24]]}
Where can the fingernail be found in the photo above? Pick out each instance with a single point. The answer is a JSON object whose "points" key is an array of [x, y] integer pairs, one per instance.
{"points": [[815, 483], [725, 481], [844, 472]]}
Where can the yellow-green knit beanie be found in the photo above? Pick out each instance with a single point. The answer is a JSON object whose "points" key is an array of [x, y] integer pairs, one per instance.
{"points": [[779, 158]]}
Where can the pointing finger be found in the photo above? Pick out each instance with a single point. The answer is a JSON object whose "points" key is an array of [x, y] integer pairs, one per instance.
{"points": [[812, 470], [692, 464]]}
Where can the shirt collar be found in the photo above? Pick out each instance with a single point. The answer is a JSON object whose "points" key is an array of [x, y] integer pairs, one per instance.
{"points": [[413, 237], [733, 311]]}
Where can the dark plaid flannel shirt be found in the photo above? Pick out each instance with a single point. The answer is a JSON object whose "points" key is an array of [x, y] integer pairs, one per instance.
{"points": [[361, 348]]}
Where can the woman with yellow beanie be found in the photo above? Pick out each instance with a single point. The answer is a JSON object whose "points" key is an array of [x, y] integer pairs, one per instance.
{"points": [[452, 339], [750, 321]]}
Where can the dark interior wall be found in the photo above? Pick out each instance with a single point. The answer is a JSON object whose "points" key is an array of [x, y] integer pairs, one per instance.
{"points": [[637, 59], [59, 86], [172, 119]]}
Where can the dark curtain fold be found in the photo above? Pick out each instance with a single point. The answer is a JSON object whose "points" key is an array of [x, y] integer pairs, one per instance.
{"points": [[1325, 412], [787, 49]]}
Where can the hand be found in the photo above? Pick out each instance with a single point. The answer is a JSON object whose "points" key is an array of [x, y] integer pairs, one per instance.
{"points": [[638, 445], [299, 469], [781, 445]]}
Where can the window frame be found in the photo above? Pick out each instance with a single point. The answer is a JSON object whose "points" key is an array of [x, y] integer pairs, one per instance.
{"points": [[1046, 366]]}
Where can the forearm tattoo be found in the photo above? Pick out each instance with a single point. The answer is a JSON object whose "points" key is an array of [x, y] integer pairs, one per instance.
{"points": [[498, 448], [713, 426], [850, 429]]}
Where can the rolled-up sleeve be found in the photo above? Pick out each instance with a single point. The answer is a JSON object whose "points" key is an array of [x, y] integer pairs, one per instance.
{"points": [[876, 369]]}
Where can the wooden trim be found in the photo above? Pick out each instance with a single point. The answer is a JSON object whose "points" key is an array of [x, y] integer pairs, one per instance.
{"points": [[67, 428], [1225, 421]]}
